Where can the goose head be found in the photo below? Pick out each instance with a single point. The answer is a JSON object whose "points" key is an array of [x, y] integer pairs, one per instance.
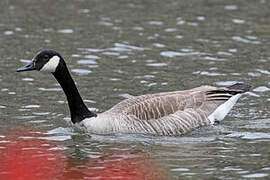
{"points": [[52, 62], [45, 61]]}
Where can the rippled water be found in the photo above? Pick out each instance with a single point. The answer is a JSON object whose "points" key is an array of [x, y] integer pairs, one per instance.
{"points": [[119, 49]]}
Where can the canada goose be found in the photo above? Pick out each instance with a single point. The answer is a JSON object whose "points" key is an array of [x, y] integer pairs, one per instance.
{"points": [[167, 113]]}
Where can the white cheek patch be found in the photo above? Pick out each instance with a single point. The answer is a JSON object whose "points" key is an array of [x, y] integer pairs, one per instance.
{"points": [[51, 65]]}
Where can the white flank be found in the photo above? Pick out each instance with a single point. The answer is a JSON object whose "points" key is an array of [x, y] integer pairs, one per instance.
{"points": [[51, 65], [222, 110], [100, 124]]}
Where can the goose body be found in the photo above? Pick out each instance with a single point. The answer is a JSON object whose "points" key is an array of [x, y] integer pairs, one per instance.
{"points": [[167, 113]]}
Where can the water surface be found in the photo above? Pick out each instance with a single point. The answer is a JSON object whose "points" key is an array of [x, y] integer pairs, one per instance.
{"points": [[119, 49]]}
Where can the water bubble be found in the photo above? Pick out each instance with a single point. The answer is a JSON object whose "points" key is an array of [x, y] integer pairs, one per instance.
{"points": [[158, 45], [65, 31], [179, 37], [18, 29], [210, 58], [92, 57], [175, 53], [8, 33], [238, 21], [31, 106], [155, 23], [50, 89], [180, 169], [81, 71], [28, 79], [126, 95], [170, 30], [200, 18], [104, 23], [137, 28], [263, 71], [56, 138], [224, 53], [255, 175], [261, 89], [131, 47], [25, 60], [90, 49], [243, 40], [86, 62], [208, 73], [230, 7], [84, 11], [157, 64], [111, 53], [192, 24], [226, 83]]}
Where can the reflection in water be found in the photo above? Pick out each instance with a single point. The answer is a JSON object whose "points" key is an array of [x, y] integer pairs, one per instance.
{"points": [[29, 153], [25, 156], [115, 165]]}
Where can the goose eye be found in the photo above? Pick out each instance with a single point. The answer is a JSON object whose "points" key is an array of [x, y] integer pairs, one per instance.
{"points": [[46, 57]]}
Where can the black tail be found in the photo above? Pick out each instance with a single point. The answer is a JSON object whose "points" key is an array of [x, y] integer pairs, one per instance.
{"points": [[225, 94], [240, 86]]}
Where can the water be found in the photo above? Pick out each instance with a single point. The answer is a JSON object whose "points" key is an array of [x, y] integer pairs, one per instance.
{"points": [[119, 49]]}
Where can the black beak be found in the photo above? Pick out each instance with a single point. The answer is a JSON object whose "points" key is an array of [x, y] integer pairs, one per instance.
{"points": [[28, 67]]}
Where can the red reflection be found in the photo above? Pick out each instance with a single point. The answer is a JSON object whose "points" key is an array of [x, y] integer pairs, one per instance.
{"points": [[118, 166], [25, 156]]}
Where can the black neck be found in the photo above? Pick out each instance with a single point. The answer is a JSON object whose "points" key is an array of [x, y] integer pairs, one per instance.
{"points": [[78, 109]]}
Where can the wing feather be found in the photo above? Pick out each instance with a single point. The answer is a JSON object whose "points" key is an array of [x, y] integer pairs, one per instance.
{"points": [[154, 106], [203, 100]]}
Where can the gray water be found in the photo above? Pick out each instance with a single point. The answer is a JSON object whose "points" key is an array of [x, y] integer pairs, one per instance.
{"points": [[119, 49]]}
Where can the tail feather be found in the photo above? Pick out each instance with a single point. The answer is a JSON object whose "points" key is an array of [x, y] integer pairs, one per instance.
{"points": [[233, 90], [240, 86], [229, 95]]}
